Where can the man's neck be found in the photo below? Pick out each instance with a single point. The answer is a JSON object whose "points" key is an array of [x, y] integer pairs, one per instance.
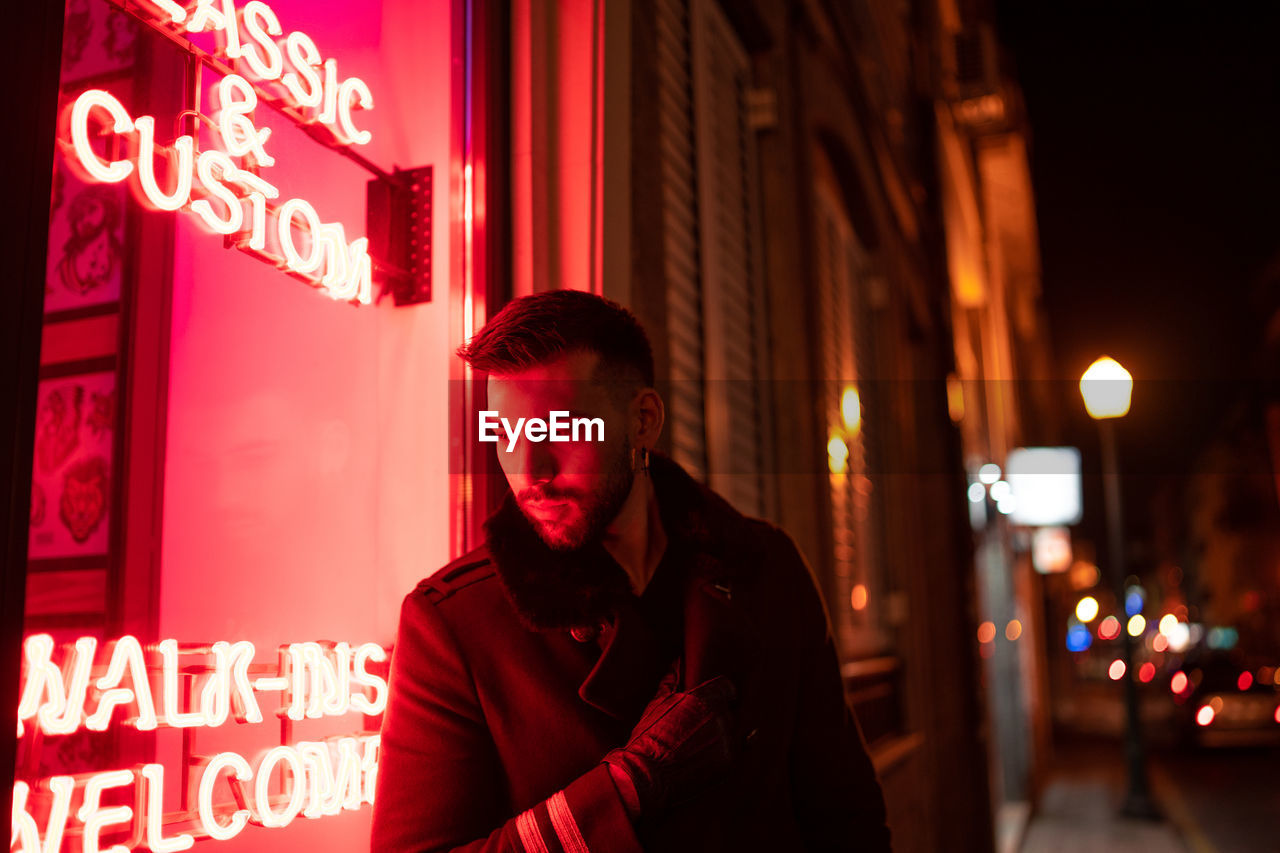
{"points": [[636, 538]]}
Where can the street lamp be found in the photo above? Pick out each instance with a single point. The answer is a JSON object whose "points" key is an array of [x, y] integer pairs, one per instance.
{"points": [[1106, 388]]}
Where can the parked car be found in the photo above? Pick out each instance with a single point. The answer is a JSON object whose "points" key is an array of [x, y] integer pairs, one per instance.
{"points": [[1224, 702]]}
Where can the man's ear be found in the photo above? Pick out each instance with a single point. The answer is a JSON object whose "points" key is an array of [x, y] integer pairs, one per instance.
{"points": [[648, 414]]}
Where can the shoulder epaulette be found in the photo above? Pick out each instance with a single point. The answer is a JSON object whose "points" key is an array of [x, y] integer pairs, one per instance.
{"points": [[454, 577]]}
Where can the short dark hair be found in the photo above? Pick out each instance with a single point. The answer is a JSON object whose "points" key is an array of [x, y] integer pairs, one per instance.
{"points": [[542, 327]]}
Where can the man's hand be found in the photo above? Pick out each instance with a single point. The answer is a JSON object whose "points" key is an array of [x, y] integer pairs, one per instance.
{"points": [[680, 744]]}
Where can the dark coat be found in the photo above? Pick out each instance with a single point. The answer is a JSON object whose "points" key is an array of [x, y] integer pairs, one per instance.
{"points": [[496, 724]]}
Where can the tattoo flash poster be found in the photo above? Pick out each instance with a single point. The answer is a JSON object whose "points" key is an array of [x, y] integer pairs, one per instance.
{"points": [[86, 242], [71, 475], [96, 39]]}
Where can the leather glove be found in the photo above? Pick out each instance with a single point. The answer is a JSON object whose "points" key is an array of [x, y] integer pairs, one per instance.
{"points": [[680, 744]]}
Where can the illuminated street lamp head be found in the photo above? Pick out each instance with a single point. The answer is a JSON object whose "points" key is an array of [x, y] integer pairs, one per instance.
{"points": [[851, 410], [1106, 388]]}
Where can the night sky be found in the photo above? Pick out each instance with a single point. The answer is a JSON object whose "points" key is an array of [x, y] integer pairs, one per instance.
{"points": [[1155, 132]]}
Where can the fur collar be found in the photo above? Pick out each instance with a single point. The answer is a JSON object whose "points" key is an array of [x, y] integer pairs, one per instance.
{"points": [[555, 590]]}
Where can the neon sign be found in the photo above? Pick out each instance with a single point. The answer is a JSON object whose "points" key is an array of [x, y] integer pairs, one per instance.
{"points": [[223, 187], [169, 685]]}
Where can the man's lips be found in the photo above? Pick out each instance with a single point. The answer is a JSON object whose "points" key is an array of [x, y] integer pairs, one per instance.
{"points": [[547, 508]]}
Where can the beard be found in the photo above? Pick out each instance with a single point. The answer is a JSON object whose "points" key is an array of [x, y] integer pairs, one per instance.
{"points": [[595, 510], [558, 574]]}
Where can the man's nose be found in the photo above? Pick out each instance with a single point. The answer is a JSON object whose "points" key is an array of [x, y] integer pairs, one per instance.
{"points": [[533, 461]]}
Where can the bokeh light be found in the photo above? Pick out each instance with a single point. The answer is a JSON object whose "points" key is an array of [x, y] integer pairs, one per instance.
{"points": [[1205, 715], [1013, 630], [989, 473], [851, 409], [1134, 599], [1223, 638], [1137, 624], [1000, 490], [1078, 638], [1146, 672], [1167, 623], [1083, 574], [1106, 388], [1087, 609], [858, 598], [837, 455], [977, 493], [986, 632], [1116, 670], [1245, 681], [1159, 643], [1109, 628], [1179, 682]]}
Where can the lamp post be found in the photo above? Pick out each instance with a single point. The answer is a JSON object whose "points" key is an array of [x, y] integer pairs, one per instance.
{"points": [[1106, 388]]}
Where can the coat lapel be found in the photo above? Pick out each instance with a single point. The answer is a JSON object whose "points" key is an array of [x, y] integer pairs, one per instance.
{"points": [[558, 591], [629, 667], [718, 637]]}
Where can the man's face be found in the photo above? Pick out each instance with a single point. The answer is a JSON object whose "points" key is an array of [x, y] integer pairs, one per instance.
{"points": [[569, 491]]}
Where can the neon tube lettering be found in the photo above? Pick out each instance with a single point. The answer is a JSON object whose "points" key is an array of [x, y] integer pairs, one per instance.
{"points": [[316, 680], [338, 700], [153, 774], [362, 677], [250, 40], [288, 758], [261, 55], [95, 166], [242, 772], [243, 703], [294, 259], [175, 11], [362, 270], [126, 656], [353, 87], [218, 15], [311, 681], [333, 242], [259, 191], [329, 93], [304, 56], [60, 713], [184, 147], [236, 101], [315, 757], [230, 669], [96, 818], [334, 786], [24, 825], [347, 793], [369, 765], [205, 165], [169, 691]]}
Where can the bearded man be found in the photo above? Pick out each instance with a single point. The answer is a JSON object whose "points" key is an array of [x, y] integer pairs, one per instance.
{"points": [[627, 663]]}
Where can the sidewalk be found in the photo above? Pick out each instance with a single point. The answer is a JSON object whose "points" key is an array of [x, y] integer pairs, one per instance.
{"points": [[1081, 814], [1079, 811]]}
